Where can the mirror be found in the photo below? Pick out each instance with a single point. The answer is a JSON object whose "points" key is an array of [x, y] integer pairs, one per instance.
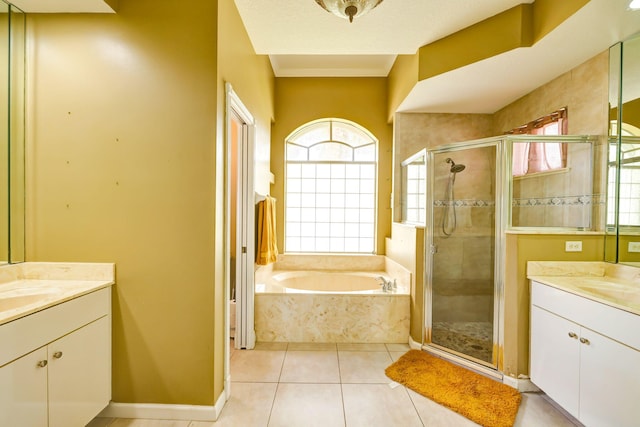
{"points": [[12, 101], [414, 183], [622, 242]]}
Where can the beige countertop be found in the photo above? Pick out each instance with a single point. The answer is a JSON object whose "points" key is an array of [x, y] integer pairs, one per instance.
{"points": [[30, 287], [611, 284]]}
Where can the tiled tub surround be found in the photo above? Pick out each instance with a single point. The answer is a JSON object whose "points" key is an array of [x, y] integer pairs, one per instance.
{"points": [[33, 286], [329, 315]]}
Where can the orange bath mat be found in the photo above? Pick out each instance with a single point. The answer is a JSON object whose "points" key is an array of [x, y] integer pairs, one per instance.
{"points": [[481, 399]]}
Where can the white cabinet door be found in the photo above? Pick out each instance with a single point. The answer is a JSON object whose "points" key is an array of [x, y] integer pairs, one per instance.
{"points": [[23, 391], [609, 383], [80, 374], [555, 358]]}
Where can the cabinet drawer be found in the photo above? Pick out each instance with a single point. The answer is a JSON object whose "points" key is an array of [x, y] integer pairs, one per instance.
{"points": [[30, 332], [610, 321]]}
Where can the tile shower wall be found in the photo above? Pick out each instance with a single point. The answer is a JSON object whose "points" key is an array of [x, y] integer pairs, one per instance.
{"points": [[463, 264], [562, 199], [584, 91]]}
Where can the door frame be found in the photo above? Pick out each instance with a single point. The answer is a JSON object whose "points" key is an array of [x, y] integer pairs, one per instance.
{"points": [[245, 225], [500, 212]]}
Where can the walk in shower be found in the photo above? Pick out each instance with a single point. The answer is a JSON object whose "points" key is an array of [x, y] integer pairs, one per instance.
{"points": [[473, 198]]}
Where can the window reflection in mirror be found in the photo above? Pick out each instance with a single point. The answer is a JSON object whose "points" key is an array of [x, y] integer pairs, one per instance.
{"points": [[623, 200], [413, 200]]}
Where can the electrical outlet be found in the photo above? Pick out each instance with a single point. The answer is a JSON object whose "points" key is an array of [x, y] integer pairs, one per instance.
{"points": [[573, 246], [634, 247]]}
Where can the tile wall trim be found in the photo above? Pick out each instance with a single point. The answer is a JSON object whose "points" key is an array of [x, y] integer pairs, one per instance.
{"points": [[587, 199], [467, 203]]}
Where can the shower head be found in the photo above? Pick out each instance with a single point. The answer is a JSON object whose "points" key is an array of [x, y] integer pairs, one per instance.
{"points": [[454, 168]]}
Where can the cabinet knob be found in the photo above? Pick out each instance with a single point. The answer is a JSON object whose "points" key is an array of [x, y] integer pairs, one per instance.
{"points": [[573, 335], [57, 355], [584, 341], [42, 363]]}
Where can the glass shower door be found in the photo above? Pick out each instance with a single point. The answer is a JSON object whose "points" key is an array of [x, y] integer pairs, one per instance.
{"points": [[462, 234]]}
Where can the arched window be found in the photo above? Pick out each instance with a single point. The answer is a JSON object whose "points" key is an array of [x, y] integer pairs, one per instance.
{"points": [[330, 193]]}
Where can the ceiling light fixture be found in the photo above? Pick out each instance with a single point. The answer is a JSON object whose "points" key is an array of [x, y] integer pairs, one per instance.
{"points": [[634, 5], [348, 9]]}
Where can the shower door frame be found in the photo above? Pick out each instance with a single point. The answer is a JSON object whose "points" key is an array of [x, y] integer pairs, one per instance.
{"points": [[502, 192]]}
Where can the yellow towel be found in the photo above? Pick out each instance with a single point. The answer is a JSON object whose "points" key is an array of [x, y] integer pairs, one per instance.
{"points": [[267, 245]]}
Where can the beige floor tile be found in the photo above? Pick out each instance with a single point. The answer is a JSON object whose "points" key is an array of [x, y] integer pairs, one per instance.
{"points": [[281, 346], [398, 347], [364, 366], [127, 422], [310, 367], [100, 422], [373, 405], [361, 347], [203, 424], [395, 355], [250, 405], [256, 365], [536, 410], [435, 415], [311, 346], [307, 405]]}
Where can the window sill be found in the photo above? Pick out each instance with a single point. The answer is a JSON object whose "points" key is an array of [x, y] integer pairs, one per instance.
{"points": [[539, 174]]}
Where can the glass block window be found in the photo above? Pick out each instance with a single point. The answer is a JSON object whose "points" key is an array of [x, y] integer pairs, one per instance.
{"points": [[330, 194], [629, 202]]}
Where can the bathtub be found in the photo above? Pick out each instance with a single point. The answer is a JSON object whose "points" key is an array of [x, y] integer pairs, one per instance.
{"points": [[332, 298], [326, 282]]}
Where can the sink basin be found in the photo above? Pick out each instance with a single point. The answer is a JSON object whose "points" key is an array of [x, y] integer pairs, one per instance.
{"points": [[16, 301], [616, 292], [24, 295]]}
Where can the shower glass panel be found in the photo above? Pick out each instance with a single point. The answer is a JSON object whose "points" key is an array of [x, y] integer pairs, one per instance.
{"points": [[463, 239]]}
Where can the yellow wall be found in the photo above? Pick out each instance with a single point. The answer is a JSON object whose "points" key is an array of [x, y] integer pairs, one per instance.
{"points": [[125, 166], [533, 247], [362, 100]]}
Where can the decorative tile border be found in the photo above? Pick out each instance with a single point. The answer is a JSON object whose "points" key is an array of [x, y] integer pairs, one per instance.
{"points": [[468, 203], [589, 199]]}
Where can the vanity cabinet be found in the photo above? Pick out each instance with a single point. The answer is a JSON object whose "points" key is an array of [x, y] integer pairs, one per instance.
{"points": [[66, 380], [585, 355]]}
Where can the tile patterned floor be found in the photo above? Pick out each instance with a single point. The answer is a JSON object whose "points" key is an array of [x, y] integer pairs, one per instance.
{"points": [[306, 384]]}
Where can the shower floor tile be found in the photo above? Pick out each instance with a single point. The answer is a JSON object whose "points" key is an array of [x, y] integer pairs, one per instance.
{"points": [[472, 338]]}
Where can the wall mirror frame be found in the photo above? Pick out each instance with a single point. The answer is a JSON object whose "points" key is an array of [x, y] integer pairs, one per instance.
{"points": [[622, 233], [12, 133]]}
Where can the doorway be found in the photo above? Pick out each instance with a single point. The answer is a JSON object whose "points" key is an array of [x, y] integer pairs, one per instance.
{"points": [[239, 227]]}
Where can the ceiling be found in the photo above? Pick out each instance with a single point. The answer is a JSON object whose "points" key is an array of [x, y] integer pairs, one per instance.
{"points": [[303, 40]]}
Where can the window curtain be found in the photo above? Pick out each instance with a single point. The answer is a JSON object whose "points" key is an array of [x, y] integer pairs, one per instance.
{"points": [[534, 157]]}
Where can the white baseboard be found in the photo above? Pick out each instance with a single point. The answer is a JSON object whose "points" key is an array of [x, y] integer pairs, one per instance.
{"points": [[414, 345], [156, 411], [523, 385]]}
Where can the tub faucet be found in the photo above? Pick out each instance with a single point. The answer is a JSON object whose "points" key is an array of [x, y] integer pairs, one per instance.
{"points": [[387, 285]]}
